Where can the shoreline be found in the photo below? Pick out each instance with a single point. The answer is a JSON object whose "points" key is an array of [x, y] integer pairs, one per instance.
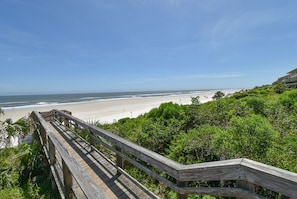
{"points": [[109, 111]]}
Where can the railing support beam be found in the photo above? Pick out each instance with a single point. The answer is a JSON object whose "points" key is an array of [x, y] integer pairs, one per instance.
{"points": [[52, 152], [119, 160], [67, 181], [248, 174], [182, 184], [92, 140], [245, 185], [43, 136]]}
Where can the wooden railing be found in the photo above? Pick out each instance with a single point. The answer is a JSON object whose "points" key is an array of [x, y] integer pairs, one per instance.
{"points": [[69, 166], [247, 175]]}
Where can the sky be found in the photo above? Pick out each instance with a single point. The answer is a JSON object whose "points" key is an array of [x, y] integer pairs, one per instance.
{"points": [[81, 46]]}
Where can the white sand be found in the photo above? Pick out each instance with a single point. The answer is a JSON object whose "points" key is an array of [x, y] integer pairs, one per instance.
{"points": [[112, 110]]}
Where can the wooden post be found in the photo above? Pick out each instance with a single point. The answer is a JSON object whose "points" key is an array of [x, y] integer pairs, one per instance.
{"points": [[119, 159], [67, 181], [92, 140], [245, 185], [43, 136], [66, 123], [182, 184], [60, 118], [52, 152], [36, 135]]}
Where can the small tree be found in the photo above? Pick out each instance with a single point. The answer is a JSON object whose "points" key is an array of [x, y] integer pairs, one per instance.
{"points": [[195, 100], [257, 105], [218, 95], [252, 136], [280, 88]]}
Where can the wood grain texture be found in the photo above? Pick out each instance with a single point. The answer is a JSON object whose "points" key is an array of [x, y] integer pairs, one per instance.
{"points": [[276, 179], [85, 182], [245, 171]]}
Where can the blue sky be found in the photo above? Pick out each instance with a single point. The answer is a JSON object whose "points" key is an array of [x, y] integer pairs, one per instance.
{"points": [[70, 46]]}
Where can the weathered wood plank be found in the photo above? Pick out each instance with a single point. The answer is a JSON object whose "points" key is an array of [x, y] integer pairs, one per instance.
{"points": [[68, 181], [243, 170], [276, 179], [158, 161], [218, 170], [85, 182], [220, 191], [54, 167], [80, 155], [245, 185], [102, 171]]}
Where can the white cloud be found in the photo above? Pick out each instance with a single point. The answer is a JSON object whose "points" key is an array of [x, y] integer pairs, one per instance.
{"points": [[215, 76], [244, 26], [185, 77]]}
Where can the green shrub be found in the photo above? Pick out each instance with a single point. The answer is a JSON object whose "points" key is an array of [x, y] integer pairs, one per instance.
{"points": [[12, 193], [251, 136]]}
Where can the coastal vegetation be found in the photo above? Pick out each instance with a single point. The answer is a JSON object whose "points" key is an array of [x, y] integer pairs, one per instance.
{"points": [[23, 169], [259, 124]]}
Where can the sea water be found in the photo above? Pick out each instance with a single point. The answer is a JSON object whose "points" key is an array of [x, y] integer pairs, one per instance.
{"points": [[27, 101]]}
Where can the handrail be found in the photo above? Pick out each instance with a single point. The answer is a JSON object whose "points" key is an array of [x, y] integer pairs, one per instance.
{"points": [[90, 191], [246, 172]]}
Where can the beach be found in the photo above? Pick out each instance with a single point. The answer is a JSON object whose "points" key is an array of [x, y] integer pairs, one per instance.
{"points": [[109, 111]]}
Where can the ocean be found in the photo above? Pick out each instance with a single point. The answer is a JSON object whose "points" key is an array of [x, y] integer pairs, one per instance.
{"points": [[27, 101]]}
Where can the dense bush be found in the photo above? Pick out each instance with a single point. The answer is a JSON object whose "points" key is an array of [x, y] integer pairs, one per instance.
{"points": [[24, 171], [251, 137], [259, 124]]}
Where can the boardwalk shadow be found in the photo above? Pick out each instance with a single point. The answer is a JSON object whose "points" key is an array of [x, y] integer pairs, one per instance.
{"points": [[122, 186]]}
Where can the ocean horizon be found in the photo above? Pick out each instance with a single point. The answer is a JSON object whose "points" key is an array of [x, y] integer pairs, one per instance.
{"points": [[30, 101]]}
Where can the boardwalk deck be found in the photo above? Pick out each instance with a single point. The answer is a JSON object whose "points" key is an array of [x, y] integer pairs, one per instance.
{"points": [[89, 174], [100, 169]]}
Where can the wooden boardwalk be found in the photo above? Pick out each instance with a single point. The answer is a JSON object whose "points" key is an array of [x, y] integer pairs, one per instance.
{"points": [[102, 171], [81, 171]]}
